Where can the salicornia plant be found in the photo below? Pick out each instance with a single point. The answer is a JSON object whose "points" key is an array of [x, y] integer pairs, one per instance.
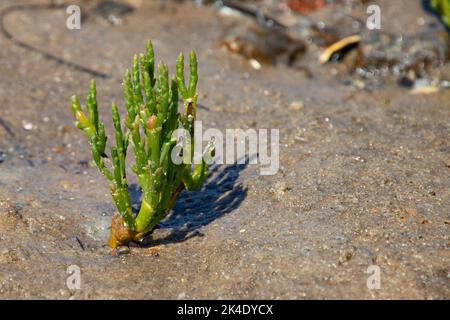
{"points": [[152, 117]]}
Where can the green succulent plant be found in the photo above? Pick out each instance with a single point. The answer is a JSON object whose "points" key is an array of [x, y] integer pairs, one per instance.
{"points": [[152, 116]]}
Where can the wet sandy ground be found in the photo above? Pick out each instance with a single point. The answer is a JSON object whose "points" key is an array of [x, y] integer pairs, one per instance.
{"points": [[364, 177]]}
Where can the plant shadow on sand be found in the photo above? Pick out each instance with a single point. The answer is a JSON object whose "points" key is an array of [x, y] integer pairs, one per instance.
{"points": [[221, 194]]}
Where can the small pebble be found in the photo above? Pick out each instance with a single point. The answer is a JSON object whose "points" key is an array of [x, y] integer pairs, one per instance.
{"points": [[296, 106], [255, 64], [26, 125], [119, 251]]}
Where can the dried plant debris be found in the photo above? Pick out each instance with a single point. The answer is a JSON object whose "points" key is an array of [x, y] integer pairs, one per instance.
{"points": [[339, 46], [265, 45], [113, 11], [375, 56], [383, 52]]}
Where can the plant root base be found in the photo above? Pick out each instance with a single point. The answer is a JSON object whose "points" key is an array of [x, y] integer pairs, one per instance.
{"points": [[120, 234]]}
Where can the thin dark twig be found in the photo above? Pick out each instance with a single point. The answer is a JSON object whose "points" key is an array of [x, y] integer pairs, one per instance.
{"points": [[80, 243], [6, 127]]}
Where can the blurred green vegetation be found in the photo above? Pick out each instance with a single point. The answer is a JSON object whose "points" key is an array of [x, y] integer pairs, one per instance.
{"points": [[443, 7]]}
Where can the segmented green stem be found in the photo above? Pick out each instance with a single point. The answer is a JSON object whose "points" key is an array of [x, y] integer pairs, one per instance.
{"points": [[151, 117]]}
